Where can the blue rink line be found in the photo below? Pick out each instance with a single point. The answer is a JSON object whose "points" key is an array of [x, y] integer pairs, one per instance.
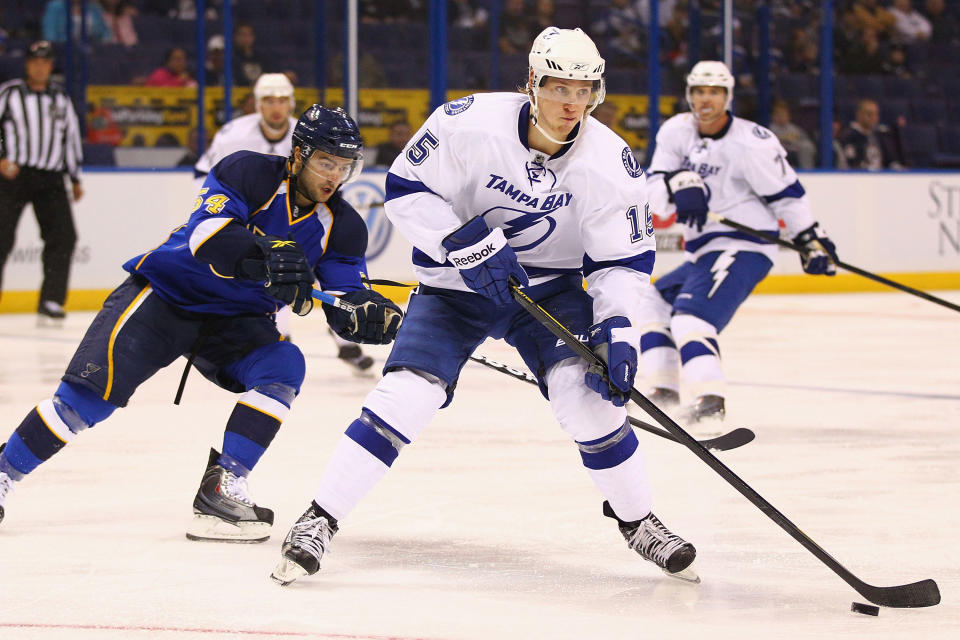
{"points": [[863, 392]]}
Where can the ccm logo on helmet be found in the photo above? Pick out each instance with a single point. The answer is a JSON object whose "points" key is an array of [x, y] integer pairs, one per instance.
{"points": [[476, 256]]}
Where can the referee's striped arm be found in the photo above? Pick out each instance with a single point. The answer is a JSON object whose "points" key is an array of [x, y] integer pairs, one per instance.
{"points": [[40, 130]]}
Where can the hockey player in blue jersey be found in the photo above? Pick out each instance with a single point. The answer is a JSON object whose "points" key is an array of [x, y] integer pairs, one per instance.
{"points": [[549, 196], [264, 229], [710, 160]]}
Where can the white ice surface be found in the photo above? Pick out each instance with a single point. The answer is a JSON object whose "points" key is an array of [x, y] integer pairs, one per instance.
{"points": [[488, 527]]}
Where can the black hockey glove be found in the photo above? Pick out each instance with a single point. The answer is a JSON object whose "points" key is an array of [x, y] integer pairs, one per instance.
{"points": [[375, 321], [819, 253], [286, 270]]}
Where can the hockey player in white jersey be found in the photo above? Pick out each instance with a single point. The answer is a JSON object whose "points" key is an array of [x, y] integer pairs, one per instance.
{"points": [[521, 185], [269, 130], [710, 160]]}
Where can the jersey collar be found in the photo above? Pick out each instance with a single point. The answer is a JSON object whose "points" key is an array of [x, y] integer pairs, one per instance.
{"points": [[523, 130], [722, 132]]}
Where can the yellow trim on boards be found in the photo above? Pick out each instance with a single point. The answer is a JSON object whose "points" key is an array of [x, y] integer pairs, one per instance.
{"points": [[92, 299]]}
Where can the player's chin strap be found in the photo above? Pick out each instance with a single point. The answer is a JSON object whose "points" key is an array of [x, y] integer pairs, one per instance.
{"points": [[535, 117]]}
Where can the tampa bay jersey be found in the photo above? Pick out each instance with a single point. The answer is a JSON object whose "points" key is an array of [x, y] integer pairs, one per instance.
{"points": [[242, 134], [582, 210], [748, 179], [251, 190]]}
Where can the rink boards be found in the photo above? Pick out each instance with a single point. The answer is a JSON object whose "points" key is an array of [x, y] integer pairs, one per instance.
{"points": [[905, 226]]}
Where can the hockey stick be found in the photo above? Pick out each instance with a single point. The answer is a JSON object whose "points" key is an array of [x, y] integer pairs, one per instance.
{"points": [[918, 594], [849, 267], [726, 442]]}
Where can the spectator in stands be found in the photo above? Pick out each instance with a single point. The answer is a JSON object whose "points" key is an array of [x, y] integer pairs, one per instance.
{"points": [[391, 10], [910, 26], [464, 14], [190, 156], [516, 28], [871, 16], [119, 16], [247, 66], [174, 72], [621, 29], [867, 144], [803, 55], [399, 135], [946, 26], [801, 151], [55, 21], [863, 57], [606, 112], [215, 66], [545, 15], [896, 63]]}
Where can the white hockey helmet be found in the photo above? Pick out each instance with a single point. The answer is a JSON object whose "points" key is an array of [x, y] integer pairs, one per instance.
{"points": [[569, 54], [710, 73], [275, 85]]}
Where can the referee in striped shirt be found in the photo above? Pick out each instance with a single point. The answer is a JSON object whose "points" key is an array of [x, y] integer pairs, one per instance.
{"points": [[39, 142]]}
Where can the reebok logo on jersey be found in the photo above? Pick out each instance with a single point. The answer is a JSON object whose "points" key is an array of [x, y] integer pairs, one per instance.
{"points": [[462, 260]]}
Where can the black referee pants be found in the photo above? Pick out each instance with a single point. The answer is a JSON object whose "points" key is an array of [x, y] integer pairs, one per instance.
{"points": [[47, 192]]}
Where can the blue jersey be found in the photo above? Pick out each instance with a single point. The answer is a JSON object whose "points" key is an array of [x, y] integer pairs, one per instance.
{"points": [[247, 194]]}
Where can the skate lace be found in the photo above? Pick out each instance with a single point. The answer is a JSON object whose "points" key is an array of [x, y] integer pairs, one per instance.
{"points": [[311, 534], [235, 487], [654, 541], [6, 486]]}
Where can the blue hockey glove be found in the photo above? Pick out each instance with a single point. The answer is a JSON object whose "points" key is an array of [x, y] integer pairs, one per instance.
{"points": [[375, 321], [687, 191], [611, 341], [819, 253], [286, 270], [485, 260]]}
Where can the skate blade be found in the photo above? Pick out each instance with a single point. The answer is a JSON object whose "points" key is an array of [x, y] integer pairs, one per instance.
{"points": [[46, 322], [287, 572], [686, 575], [206, 528]]}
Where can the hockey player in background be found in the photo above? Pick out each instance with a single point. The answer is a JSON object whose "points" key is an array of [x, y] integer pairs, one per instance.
{"points": [[550, 196], [269, 130], [710, 160], [262, 231]]}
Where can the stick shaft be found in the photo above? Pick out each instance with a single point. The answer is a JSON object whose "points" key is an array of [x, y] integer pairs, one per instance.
{"points": [[921, 594], [849, 267]]}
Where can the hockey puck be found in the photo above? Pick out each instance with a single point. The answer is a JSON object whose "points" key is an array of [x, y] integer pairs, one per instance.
{"points": [[866, 609]]}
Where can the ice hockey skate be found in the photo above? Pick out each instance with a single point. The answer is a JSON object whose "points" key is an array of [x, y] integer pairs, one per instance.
{"points": [[356, 358], [6, 486], [224, 512], [50, 314], [303, 548], [664, 398], [654, 542], [705, 415]]}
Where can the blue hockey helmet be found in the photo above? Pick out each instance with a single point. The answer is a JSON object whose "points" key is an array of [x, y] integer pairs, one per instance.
{"points": [[331, 131]]}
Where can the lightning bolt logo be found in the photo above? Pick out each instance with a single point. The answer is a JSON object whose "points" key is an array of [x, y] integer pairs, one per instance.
{"points": [[720, 270]]}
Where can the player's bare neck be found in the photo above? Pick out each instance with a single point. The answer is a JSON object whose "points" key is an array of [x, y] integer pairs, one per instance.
{"points": [[714, 127], [271, 134], [539, 142]]}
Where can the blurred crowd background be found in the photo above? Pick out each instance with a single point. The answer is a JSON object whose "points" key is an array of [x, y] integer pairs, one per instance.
{"points": [[134, 63]]}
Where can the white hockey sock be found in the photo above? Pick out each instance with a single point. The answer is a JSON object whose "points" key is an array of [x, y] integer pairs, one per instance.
{"points": [[659, 359], [626, 487], [350, 475], [700, 354]]}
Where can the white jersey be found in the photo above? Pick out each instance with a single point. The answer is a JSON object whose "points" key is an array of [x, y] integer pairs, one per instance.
{"points": [[748, 180], [242, 134], [583, 210]]}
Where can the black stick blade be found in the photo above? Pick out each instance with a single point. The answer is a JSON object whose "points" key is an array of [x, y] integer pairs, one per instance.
{"points": [[736, 438], [918, 594]]}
